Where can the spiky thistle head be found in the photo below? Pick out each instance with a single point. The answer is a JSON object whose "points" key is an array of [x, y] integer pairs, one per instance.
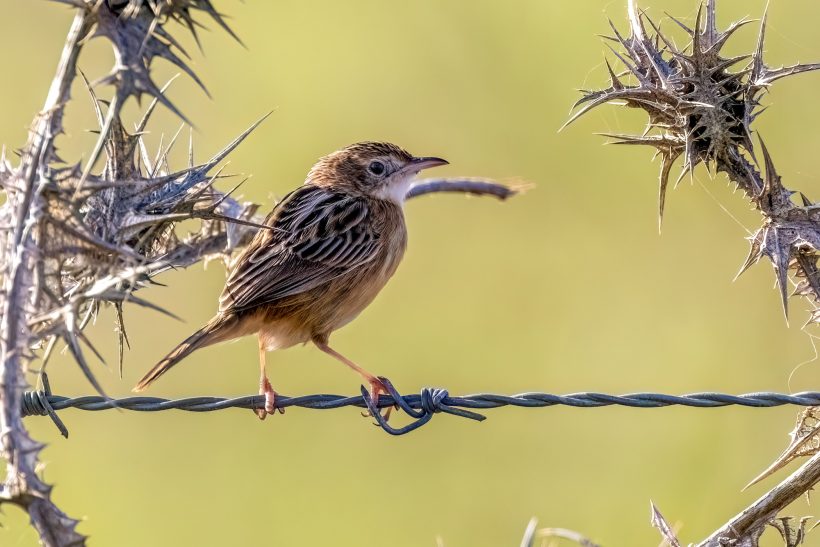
{"points": [[100, 233], [701, 105], [73, 237]]}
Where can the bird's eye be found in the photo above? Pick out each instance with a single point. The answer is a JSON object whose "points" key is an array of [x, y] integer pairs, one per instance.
{"points": [[376, 167]]}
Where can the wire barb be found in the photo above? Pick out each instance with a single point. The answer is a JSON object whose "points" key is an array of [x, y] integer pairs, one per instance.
{"points": [[431, 400], [37, 403], [420, 407]]}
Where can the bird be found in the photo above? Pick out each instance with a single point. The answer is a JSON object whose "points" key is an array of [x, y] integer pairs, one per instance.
{"points": [[323, 254]]}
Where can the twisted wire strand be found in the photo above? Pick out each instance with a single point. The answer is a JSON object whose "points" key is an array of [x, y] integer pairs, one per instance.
{"points": [[420, 407]]}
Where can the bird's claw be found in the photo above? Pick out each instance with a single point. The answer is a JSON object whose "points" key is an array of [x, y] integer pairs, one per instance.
{"points": [[378, 387], [267, 391]]}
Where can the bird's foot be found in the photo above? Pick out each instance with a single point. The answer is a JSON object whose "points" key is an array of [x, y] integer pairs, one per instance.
{"points": [[267, 391], [378, 387]]}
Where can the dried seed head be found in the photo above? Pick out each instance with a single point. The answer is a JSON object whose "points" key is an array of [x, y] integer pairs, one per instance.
{"points": [[99, 236], [700, 107]]}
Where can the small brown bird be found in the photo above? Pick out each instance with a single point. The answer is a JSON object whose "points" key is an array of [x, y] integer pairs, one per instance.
{"points": [[334, 243]]}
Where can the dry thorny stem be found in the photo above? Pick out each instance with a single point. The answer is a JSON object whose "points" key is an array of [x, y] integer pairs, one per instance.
{"points": [[73, 239], [701, 107]]}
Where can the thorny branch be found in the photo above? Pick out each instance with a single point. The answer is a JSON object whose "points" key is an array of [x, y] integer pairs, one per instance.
{"points": [[744, 529], [701, 110], [23, 210], [76, 237]]}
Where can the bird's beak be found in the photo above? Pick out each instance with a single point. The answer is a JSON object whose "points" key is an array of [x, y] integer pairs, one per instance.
{"points": [[417, 164]]}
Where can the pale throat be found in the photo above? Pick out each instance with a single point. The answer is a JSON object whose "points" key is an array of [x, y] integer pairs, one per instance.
{"points": [[396, 190]]}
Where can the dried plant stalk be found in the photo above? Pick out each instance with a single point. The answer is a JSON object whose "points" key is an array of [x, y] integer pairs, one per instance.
{"points": [[745, 529], [21, 216]]}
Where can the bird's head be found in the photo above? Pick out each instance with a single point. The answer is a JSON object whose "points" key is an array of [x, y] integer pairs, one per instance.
{"points": [[374, 169]]}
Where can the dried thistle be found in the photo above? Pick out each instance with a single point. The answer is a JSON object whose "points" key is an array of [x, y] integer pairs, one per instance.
{"points": [[72, 241], [700, 108], [805, 441]]}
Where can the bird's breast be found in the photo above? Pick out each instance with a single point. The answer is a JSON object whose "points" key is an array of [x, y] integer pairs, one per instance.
{"points": [[354, 291], [330, 306]]}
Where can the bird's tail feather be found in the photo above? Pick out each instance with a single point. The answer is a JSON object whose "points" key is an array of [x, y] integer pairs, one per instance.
{"points": [[217, 330]]}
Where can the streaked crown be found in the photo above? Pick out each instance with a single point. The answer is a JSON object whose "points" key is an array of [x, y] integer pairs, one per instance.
{"points": [[375, 169]]}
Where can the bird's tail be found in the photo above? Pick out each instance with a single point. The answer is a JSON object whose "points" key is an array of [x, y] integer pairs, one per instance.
{"points": [[217, 330]]}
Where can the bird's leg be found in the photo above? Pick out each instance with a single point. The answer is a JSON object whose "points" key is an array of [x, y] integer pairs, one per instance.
{"points": [[265, 387], [377, 387]]}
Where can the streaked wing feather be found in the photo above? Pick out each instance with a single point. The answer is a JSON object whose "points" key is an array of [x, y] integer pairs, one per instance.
{"points": [[317, 236]]}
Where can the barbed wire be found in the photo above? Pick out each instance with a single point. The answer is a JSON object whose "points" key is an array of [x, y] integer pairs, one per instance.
{"points": [[421, 407]]}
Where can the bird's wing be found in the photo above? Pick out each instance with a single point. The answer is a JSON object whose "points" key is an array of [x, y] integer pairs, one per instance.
{"points": [[316, 236]]}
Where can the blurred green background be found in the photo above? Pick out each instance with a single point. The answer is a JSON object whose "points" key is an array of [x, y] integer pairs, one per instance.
{"points": [[567, 288]]}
